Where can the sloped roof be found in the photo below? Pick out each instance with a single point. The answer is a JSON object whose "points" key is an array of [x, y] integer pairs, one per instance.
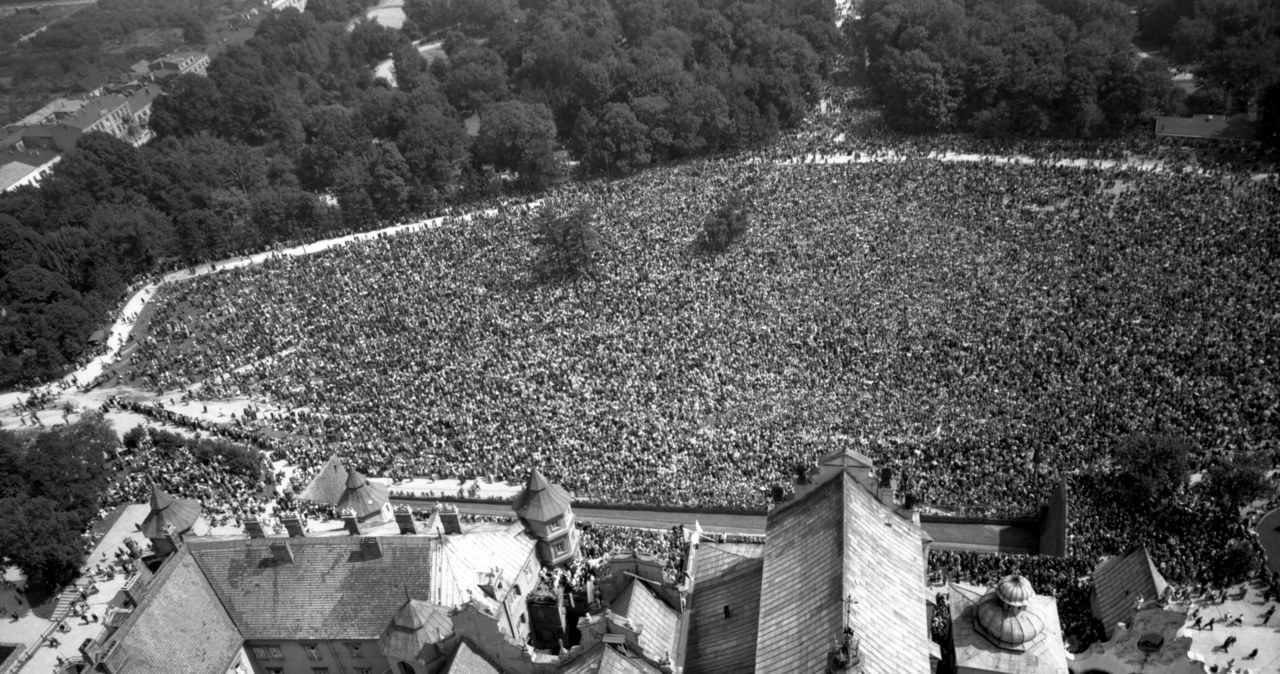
{"points": [[540, 500], [725, 574], [328, 591], [180, 628], [1044, 655], [415, 625], [328, 485], [362, 496], [839, 541], [658, 622], [1117, 582], [468, 661], [606, 659], [167, 510], [460, 561]]}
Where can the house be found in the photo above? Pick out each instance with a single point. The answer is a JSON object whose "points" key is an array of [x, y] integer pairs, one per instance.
{"points": [[20, 166], [180, 63], [1121, 584]]}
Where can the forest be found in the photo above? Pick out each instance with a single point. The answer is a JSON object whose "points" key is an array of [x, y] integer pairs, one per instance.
{"points": [[1055, 68], [242, 157]]}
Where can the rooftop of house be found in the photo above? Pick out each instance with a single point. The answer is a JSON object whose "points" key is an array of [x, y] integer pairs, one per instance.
{"points": [[180, 627], [167, 511], [725, 608], [606, 658], [837, 556], [1119, 581], [657, 621], [541, 500]]}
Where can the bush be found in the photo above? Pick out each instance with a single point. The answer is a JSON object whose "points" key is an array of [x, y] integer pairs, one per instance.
{"points": [[725, 225], [1238, 482], [1150, 469], [569, 245]]}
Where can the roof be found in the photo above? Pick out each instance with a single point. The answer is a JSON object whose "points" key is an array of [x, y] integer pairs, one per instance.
{"points": [[144, 96], [329, 590], [94, 110], [415, 625], [606, 659], [179, 628], [658, 623], [725, 575], [362, 496], [467, 661], [540, 500], [1117, 582], [1043, 655], [462, 560], [838, 542], [167, 510], [1212, 127], [327, 486]]}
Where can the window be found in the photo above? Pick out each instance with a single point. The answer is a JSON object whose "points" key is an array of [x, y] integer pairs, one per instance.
{"points": [[354, 649], [558, 548], [319, 670], [267, 653], [313, 653], [556, 524], [363, 670]]}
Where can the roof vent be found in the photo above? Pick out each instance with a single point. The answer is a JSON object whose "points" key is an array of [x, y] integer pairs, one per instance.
{"points": [[282, 553]]}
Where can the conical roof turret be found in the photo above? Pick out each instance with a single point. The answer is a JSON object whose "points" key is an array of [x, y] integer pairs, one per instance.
{"points": [[541, 500], [168, 511], [362, 496]]}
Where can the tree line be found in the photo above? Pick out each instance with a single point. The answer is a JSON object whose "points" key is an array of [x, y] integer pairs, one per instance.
{"points": [[294, 121], [1039, 68]]}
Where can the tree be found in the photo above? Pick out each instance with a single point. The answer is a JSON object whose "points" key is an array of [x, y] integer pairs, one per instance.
{"points": [[1269, 118], [1238, 482], [617, 142], [518, 136], [725, 225], [914, 91], [1150, 469], [568, 244]]}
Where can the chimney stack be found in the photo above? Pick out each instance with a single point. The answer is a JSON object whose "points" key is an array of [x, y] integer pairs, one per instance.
{"points": [[886, 486], [371, 547], [449, 519], [404, 518], [350, 520], [281, 552], [293, 524], [254, 528]]}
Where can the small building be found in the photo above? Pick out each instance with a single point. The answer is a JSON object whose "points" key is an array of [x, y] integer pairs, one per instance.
{"points": [[20, 167], [345, 489], [1009, 629], [545, 511], [180, 63], [1237, 128]]}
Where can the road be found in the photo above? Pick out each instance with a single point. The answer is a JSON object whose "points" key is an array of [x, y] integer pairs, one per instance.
{"points": [[642, 519]]}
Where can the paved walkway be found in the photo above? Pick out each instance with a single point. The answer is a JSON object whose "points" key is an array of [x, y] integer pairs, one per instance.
{"points": [[30, 628], [1243, 600]]}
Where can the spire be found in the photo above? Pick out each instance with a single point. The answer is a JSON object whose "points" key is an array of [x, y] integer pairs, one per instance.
{"points": [[160, 499], [541, 500], [355, 480]]}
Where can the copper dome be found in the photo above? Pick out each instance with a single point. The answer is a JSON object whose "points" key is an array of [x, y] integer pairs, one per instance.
{"points": [[1004, 615]]}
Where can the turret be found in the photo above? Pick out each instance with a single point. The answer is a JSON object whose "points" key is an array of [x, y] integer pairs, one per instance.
{"points": [[544, 510]]}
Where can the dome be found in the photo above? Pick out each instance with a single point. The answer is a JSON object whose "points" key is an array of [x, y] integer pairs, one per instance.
{"points": [[1015, 591], [1005, 623]]}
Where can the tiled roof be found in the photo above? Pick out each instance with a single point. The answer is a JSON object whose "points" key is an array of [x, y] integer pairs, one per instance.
{"points": [[327, 486], [540, 500], [657, 621], [1118, 581], [167, 510], [725, 574], [181, 628], [415, 625], [839, 541], [606, 659], [467, 661], [975, 652], [461, 560], [328, 591]]}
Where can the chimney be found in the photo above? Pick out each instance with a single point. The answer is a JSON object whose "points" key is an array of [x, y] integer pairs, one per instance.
{"points": [[404, 518], [350, 520], [449, 519], [281, 552], [293, 524], [254, 528], [886, 486], [371, 547]]}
